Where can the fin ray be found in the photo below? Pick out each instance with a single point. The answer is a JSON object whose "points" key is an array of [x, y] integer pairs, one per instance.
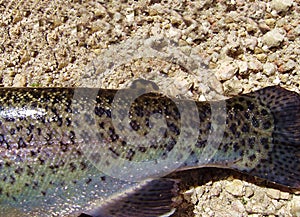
{"points": [[151, 199]]}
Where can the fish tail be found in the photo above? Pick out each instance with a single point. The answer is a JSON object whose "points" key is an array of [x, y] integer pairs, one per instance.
{"points": [[282, 164]]}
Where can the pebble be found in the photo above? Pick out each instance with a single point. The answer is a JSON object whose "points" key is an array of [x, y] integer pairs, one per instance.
{"points": [[235, 188], [269, 68], [251, 43], [273, 38], [261, 57], [19, 80], [281, 5], [243, 67], [226, 70], [284, 195], [288, 66], [255, 65], [238, 206], [273, 193], [248, 191], [295, 207], [233, 87]]}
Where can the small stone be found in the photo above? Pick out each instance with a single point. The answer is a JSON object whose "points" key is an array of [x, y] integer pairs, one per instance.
{"points": [[130, 17], [261, 57], [295, 208], [251, 43], [216, 189], [269, 68], [273, 38], [235, 188], [273, 193], [238, 206], [270, 22], [263, 26], [297, 29], [226, 70], [243, 67], [255, 66], [284, 195], [174, 33], [248, 191], [19, 81], [288, 66], [25, 57], [281, 5], [233, 87]]}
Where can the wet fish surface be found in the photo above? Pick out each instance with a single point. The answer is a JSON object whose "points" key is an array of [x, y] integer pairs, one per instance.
{"points": [[55, 141]]}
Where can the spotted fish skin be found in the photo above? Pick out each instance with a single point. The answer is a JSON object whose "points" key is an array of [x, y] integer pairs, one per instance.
{"points": [[261, 136], [44, 169]]}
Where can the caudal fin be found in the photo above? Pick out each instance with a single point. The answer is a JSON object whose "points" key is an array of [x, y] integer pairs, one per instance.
{"points": [[282, 164]]}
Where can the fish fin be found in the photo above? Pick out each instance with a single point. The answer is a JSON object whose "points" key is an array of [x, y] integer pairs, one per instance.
{"points": [[143, 85], [282, 164], [84, 215], [150, 199]]}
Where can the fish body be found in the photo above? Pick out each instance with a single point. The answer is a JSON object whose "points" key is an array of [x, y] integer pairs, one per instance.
{"points": [[67, 151]]}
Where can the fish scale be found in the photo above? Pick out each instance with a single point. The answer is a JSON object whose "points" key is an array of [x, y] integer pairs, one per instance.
{"points": [[54, 142]]}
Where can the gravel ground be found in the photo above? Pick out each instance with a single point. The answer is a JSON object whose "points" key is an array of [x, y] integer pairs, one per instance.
{"points": [[241, 45]]}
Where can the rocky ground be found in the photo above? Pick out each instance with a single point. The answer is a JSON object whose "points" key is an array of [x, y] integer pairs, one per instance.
{"points": [[244, 45]]}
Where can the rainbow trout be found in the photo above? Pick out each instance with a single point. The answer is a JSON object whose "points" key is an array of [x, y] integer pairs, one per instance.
{"points": [[80, 152]]}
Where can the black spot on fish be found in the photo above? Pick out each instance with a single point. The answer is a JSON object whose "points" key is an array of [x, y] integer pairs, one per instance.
{"points": [[201, 143], [236, 147], [173, 128], [250, 105], [114, 137], [238, 107], [72, 167], [12, 131], [170, 145], [21, 143], [7, 164], [19, 170], [114, 152], [245, 128], [134, 125], [99, 111], [101, 125], [142, 149], [139, 111], [267, 125], [233, 128], [88, 181], [59, 121], [255, 122], [251, 142], [147, 122], [264, 112], [83, 165], [252, 157], [68, 121], [130, 154], [108, 113]]}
